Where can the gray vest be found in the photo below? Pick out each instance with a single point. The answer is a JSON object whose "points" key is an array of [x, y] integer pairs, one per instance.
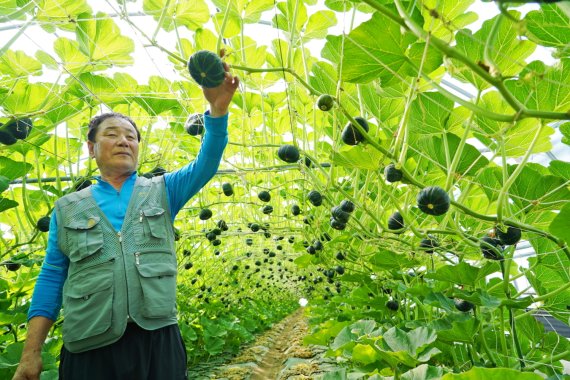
{"points": [[116, 277]]}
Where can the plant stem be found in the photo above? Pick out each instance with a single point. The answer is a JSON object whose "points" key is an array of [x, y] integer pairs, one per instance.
{"points": [[506, 186], [161, 20], [223, 28]]}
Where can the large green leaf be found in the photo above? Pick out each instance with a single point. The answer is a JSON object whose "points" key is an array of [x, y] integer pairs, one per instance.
{"points": [[371, 60], [192, 14], [6, 203], [357, 157], [13, 169], [100, 39], [560, 169], [25, 98], [423, 372], [18, 64], [507, 53], [456, 329], [387, 260], [429, 113], [60, 13], [533, 192], [470, 161], [543, 88], [441, 18], [560, 226], [478, 373], [463, 273], [549, 26], [318, 24], [364, 353]]}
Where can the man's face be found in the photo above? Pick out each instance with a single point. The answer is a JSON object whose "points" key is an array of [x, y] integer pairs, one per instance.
{"points": [[116, 147]]}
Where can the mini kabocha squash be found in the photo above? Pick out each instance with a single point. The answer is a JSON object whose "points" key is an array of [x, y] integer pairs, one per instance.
{"points": [[205, 214], [264, 196], [19, 128], [392, 174], [337, 225], [315, 198], [206, 68], [491, 248], [43, 223], [433, 200], [347, 206], [462, 305], [295, 210], [339, 214], [222, 225], [352, 136], [228, 189], [325, 102], [288, 153], [392, 305], [428, 245], [511, 236], [396, 221], [194, 124], [267, 209]]}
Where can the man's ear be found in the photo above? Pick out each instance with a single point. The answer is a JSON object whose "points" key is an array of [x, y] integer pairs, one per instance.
{"points": [[91, 148]]}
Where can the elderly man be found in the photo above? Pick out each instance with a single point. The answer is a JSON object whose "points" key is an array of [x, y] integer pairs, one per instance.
{"points": [[111, 259]]}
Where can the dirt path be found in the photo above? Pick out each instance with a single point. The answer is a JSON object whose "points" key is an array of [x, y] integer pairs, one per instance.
{"points": [[286, 343], [277, 354]]}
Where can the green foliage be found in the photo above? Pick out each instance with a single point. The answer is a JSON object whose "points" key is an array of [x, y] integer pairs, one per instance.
{"points": [[393, 63]]}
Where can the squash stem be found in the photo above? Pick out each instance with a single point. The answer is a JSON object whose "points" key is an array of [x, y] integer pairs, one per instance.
{"points": [[506, 185]]}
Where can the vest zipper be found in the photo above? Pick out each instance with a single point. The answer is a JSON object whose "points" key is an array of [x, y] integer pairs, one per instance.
{"points": [[120, 237]]}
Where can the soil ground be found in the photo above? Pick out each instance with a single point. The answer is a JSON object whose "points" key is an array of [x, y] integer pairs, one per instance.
{"points": [[277, 354]]}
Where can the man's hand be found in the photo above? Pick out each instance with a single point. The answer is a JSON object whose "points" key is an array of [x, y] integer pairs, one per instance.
{"points": [[29, 368], [30, 365], [220, 97]]}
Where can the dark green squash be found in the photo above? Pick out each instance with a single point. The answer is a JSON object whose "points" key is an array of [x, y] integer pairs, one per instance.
{"points": [[315, 198], [462, 305], [337, 225], [396, 222], [339, 214], [510, 236], [205, 214], [428, 245], [222, 225], [392, 305], [264, 196], [19, 128], [288, 153], [194, 124], [352, 136], [43, 223], [267, 209], [433, 200], [393, 174], [491, 248], [206, 68], [347, 206], [228, 189], [81, 184], [6, 138], [325, 102], [295, 210]]}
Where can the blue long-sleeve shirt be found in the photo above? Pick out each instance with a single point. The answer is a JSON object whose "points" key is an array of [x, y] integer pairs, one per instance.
{"points": [[181, 185]]}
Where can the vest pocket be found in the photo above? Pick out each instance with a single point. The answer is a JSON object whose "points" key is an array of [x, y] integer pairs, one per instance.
{"points": [[88, 302], [153, 223], [158, 284], [84, 237]]}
